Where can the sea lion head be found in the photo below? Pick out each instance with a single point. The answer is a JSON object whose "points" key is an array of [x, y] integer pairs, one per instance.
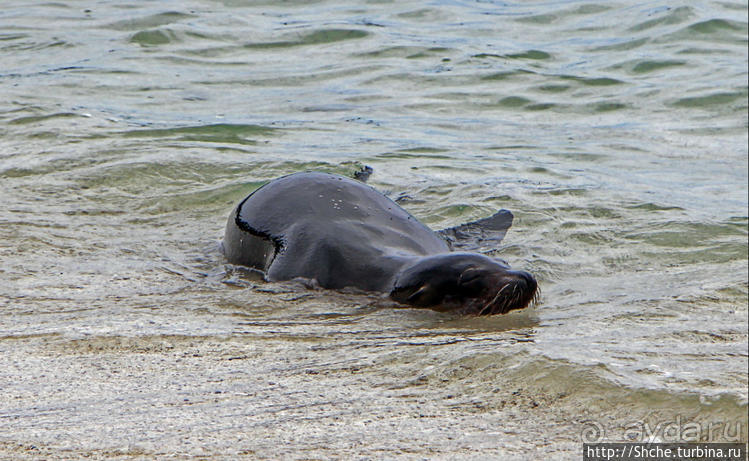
{"points": [[466, 282]]}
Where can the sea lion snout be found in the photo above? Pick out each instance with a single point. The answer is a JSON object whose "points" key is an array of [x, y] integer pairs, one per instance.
{"points": [[469, 283], [523, 277], [512, 290]]}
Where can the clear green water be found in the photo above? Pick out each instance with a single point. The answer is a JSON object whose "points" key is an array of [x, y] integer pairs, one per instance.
{"points": [[615, 131]]}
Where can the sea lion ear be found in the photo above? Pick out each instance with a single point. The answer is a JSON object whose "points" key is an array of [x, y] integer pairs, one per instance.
{"points": [[480, 236]]}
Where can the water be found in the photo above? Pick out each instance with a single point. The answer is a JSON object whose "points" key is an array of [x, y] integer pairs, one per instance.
{"points": [[615, 132]]}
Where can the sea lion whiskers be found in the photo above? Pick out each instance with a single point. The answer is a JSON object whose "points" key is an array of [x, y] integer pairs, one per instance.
{"points": [[536, 297], [487, 305], [503, 302]]}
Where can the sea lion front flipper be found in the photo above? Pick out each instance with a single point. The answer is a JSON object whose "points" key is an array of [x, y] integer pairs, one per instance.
{"points": [[363, 173], [482, 235]]}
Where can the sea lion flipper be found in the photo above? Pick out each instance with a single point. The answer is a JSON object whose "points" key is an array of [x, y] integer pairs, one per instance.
{"points": [[363, 173], [482, 235]]}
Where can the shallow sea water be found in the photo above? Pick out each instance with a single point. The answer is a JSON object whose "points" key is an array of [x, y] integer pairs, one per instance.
{"points": [[616, 132]]}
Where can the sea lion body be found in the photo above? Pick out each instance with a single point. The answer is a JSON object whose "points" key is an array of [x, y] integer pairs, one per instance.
{"points": [[341, 233]]}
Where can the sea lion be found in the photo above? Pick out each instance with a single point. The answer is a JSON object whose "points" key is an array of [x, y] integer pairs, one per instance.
{"points": [[340, 232]]}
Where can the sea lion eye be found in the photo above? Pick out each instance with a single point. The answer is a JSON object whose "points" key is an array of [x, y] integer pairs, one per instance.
{"points": [[416, 294], [469, 275]]}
